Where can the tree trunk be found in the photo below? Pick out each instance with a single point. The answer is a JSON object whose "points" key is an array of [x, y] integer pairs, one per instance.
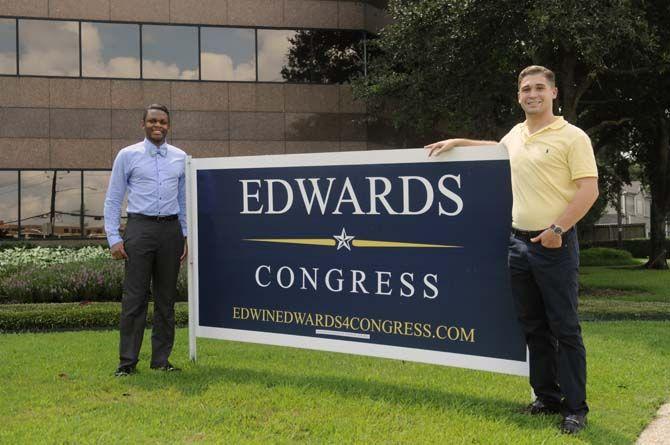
{"points": [[619, 221], [567, 87], [660, 195], [571, 85]]}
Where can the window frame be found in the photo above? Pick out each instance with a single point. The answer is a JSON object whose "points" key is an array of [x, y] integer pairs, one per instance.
{"points": [[18, 46], [364, 35], [81, 50], [20, 232]]}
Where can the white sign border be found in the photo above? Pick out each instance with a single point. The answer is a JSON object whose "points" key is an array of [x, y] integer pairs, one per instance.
{"points": [[481, 153]]}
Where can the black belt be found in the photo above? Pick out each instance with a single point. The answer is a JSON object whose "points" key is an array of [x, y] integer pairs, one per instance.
{"points": [[156, 218], [526, 234]]}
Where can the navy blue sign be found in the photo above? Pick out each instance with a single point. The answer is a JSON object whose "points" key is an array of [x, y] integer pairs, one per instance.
{"points": [[400, 257]]}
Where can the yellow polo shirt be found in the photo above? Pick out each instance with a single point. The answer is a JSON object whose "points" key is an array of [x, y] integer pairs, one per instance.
{"points": [[544, 167]]}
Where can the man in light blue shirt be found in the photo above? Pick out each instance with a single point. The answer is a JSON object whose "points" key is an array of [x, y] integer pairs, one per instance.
{"points": [[152, 174]]}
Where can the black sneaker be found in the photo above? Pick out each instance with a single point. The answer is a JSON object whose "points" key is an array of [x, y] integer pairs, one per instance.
{"points": [[168, 367], [123, 371], [573, 423], [538, 407]]}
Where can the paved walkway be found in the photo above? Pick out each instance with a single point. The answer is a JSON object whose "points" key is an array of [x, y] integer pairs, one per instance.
{"points": [[658, 431]]}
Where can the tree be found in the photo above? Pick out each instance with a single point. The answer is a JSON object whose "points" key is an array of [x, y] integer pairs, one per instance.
{"points": [[640, 94], [448, 67], [451, 65], [443, 67]]}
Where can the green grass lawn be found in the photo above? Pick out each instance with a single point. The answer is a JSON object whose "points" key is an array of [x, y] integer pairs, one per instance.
{"points": [[59, 388], [626, 283], [624, 292]]}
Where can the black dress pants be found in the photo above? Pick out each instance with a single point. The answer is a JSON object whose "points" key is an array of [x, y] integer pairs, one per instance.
{"points": [[545, 289], [153, 248]]}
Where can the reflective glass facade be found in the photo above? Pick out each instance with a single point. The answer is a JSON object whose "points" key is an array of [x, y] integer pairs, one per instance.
{"points": [[274, 46], [40, 204], [228, 54], [170, 52], [49, 48], [7, 46], [9, 203], [72, 48], [110, 50]]}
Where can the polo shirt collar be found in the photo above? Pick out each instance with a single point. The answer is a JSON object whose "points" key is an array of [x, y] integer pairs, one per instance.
{"points": [[557, 124]]}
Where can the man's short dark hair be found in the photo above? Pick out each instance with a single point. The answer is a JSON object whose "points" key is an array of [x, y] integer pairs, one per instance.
{"points": [[537, 69], [160, 107]]}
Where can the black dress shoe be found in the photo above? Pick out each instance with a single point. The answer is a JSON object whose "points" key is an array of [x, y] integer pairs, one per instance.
{"points": [[168, 367], [538, 407], [123, 371], [573, 423]]}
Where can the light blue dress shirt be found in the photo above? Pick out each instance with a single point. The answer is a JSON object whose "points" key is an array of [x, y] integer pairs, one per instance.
{"points": [[154, 178]]}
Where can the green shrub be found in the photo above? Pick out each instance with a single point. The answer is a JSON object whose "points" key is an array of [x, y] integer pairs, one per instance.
{"points": [[603, 256], [41, 257], [98, 279], [46, 317], [639, 248], [5, 245]]}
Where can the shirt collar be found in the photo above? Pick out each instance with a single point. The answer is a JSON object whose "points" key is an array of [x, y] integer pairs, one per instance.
{"points": [[555, 125], [153, 150]]}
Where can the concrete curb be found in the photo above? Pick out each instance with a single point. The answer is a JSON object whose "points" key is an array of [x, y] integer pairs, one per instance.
{"points": [[658, 431]]}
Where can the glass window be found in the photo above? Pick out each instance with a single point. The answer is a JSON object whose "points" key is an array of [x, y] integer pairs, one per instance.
{"points": [[49, 48], [630, 204], [647, 207], [324, 56], [338, 56], [95, 188], [639, 205], [36, 203], [321, 56], [169, 52], [110, 50], [67, 212], [273, 50], [228, 54], [9, 204], [7, 46]]}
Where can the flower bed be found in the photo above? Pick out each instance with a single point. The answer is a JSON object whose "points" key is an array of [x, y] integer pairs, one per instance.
{"points": [[44, 275]]}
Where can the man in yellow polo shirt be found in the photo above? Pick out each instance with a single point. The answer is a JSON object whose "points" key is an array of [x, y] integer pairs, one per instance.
{"points": [[554, 184]]}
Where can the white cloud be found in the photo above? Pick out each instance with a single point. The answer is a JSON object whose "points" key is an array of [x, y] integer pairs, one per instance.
{"points": [[157, 69], [49, 48], [116, 67], [220, 67], [93, 64], [7, 63], [273, 48]]}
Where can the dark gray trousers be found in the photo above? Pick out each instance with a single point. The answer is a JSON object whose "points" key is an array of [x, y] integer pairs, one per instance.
{"points": [[153, 249], [545, 288]]}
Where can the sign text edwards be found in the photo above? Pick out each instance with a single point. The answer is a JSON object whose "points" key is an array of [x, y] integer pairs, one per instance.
{"points": [[383, 253]]}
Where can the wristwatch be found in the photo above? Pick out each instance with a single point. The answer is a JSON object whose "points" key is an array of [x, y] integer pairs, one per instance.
{"points": [[558, 230]]}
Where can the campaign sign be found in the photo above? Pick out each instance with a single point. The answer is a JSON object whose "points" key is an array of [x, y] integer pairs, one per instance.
{"points": [[382, 253]]}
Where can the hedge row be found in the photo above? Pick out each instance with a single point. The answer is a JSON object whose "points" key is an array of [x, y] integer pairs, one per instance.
{"points": [[92, 280], [603, 256], [71, 316], [639, 248]]}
